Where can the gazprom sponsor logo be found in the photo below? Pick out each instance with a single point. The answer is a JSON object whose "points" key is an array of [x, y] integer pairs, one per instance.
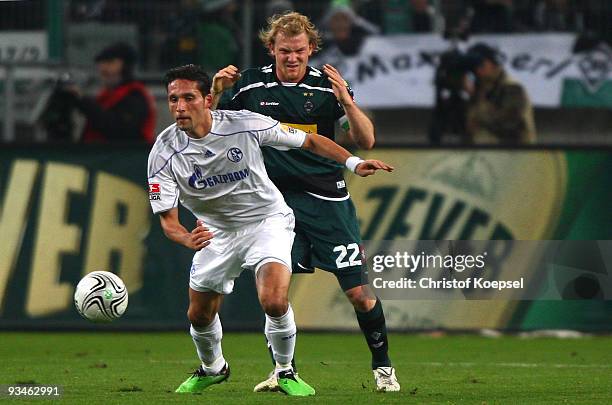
{"points": [[199, 182]]}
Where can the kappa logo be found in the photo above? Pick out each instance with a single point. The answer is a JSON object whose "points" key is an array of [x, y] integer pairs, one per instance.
{"points": [[266, 103], [154, 192], [235, 155]]}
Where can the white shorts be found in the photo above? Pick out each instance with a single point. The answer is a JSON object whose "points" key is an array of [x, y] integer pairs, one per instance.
{"points": [[215, 267]]}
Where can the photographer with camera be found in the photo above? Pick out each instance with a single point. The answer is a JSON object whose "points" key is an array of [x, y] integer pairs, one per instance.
{"points": [[499, 110], [123, 110], [451, 99]]}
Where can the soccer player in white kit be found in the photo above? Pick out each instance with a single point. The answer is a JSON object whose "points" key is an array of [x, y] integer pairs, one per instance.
{"points": [[211, 162]]}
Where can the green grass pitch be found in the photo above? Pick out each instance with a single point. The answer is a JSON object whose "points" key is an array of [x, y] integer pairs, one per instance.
{"points": [[145, 368]]}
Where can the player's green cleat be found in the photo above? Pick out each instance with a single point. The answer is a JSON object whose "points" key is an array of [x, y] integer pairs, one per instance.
{"points": [[291, 384], [199, 380]]}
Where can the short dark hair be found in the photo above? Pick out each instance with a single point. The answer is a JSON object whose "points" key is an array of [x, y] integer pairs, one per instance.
{"points": [[118, 50], [480, 52], [189, 72], [121, 51]]}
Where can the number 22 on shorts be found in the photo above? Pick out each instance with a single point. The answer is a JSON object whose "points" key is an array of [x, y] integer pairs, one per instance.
{"points": [[355, 253]]}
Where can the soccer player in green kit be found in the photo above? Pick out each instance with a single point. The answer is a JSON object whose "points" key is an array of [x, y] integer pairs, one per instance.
{"points": [[327, 232]]}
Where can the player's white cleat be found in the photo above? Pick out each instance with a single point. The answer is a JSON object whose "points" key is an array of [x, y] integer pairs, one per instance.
{"points": [[385, 378], [271, 384]]}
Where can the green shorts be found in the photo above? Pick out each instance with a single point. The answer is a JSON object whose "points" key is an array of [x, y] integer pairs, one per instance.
{"points": [[327, 237]]}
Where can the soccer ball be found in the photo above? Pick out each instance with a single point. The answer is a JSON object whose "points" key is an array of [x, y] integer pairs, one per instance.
{"points": [[101, 297]]}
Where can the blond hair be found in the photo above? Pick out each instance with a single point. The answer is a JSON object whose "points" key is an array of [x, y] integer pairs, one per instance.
{"points": [[290, 24]]}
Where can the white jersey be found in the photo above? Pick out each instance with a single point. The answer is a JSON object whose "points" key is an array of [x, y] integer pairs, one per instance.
{"points": [[220, 178]]}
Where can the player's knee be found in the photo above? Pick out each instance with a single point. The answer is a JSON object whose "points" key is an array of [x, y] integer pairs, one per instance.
{"points": [[199, 318], [274, 306], [360, 300]]}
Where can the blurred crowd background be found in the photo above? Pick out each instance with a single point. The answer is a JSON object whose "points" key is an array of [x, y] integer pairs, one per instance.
{"points": [[415, 46]]}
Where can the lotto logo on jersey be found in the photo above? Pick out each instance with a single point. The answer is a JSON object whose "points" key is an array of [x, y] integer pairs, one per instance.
{"points": [[154, 192]]}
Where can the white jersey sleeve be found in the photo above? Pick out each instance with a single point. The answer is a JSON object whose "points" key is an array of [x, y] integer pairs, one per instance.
{"points": [[279, 136], [163, 187]]}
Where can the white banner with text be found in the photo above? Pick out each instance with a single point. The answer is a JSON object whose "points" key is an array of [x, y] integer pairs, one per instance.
{"points": [[398, 71]]}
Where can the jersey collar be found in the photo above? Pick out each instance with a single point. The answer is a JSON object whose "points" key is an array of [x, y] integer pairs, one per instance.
{"points": [[280, 83]]}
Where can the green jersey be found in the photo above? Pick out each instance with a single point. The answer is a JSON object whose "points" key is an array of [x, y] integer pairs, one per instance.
{"points": [[309, 105]]}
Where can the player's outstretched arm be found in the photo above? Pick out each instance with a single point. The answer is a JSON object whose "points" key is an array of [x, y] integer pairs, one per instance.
{"points": [[223, 80], [325, 147], [197, 239]]}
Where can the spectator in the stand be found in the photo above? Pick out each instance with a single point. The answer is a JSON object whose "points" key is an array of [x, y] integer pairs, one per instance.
{"points": [[499, 110], [219, 35], [345, 29], [491, 16], [124, 110]]}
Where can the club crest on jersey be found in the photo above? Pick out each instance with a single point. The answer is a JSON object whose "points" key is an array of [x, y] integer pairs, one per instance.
{"points": [[235, 155], [154, 192], [308, 106]]}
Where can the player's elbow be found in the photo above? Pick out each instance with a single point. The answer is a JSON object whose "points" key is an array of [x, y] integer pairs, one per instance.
{"points": [[167, 232], [366, 144], [166, 225], [364, 139]]}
